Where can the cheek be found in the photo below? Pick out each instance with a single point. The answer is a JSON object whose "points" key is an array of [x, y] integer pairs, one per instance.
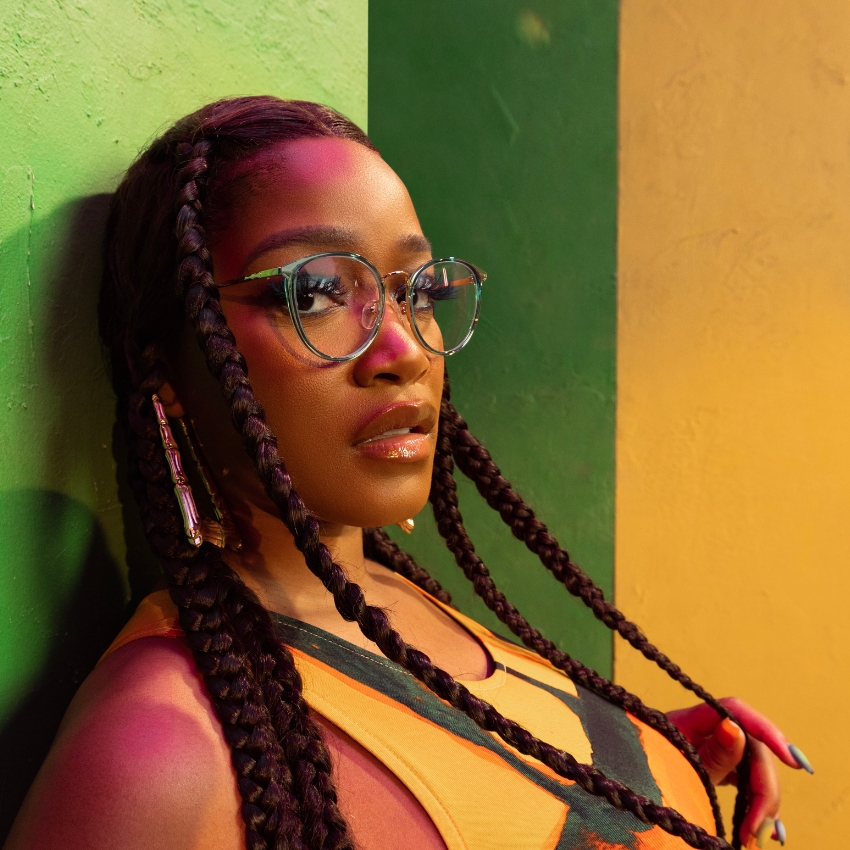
{"points": [[296, 391]]}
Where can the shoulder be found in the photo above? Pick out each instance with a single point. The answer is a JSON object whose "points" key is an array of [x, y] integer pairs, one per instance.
{"points": [[139, 762]]}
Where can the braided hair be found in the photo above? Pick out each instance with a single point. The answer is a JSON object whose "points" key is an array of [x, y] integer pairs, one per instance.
{"points": [[157, 276]]}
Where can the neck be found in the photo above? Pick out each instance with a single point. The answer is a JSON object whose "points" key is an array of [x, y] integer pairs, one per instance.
{"points": [[273, 567]]}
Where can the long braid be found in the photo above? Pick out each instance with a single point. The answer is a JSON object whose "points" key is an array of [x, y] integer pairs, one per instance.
{"points": [[303, 746], [197, 585], [304, 758], [450, 525], [378, 546], [475, 462], [303, 749]]}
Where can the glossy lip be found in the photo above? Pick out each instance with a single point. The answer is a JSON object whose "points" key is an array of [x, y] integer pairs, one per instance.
{"points": [[419, 416]]}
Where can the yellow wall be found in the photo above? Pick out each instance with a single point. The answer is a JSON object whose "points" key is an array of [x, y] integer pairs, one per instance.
{"points": [[733, 446]]}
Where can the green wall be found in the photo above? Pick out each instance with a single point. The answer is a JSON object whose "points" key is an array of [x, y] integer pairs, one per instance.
{"points": [[501, 118], [83, 85]]}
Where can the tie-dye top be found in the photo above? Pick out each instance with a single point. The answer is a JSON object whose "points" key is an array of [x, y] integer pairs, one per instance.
{"points": [[462, 775]]}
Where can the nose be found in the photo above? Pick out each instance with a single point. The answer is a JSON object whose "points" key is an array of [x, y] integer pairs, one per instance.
{"points": [[395, 355]]}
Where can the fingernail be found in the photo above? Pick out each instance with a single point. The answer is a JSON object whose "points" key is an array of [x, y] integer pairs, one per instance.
{"points": [[727, 733], [800, 757], [764, 831], [779, 831]]}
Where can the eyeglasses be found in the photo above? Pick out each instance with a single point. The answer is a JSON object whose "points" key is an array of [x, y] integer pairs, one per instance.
{"points": [[335, 302]]}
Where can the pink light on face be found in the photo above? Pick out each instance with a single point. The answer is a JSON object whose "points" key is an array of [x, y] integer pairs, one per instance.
{"points": [[314, 176], [329, 161]]}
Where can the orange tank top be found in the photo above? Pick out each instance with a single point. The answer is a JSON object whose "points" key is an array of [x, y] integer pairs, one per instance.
{"points": [[461, 774]]}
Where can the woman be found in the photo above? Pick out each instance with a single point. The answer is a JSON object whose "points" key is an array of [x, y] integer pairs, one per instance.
{"points": [[270, 234]]}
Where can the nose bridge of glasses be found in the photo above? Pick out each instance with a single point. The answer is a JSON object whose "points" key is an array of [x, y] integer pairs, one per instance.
{"points": [[393, 290], [370, 310], [397, 305]]}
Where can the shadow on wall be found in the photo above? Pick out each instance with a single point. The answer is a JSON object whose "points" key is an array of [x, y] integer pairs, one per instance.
{"points": [[75, 629], [78, 369], [65, 595]]}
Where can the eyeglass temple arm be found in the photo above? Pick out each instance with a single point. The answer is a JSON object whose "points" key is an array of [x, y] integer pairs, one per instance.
{"points": [[256, 276]]}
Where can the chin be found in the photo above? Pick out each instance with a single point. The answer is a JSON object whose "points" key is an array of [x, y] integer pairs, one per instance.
{"points": [[370, 500], [370, 512], [374, 516]]}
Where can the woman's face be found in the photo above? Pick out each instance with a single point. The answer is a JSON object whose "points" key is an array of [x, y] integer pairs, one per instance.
{"points": [[331, 419]]}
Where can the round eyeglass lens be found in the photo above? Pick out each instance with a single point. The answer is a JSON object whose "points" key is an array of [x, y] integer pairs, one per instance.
{"points": [[443, 303], [338, 303]]}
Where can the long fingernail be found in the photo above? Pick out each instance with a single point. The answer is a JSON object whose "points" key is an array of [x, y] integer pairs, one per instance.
{"points": [[779, 831], [800, 757], [764, 831], [727, 733]]}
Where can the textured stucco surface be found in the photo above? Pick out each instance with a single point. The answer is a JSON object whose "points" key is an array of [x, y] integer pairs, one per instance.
{"points": [[83, 85], [733, 460]]}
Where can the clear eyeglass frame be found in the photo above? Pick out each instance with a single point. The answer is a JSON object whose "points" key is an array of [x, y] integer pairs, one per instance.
{"points": [[290, 272]]}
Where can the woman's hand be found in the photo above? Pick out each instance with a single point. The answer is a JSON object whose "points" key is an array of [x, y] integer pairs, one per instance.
{"points": [[720, 744]]}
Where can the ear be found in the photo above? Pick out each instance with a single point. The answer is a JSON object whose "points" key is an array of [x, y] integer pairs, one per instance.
{"points": [[171, 404]]}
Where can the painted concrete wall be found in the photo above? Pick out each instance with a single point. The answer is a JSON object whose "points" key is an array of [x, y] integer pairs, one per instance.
{"points": [[733, 460], [83, 85], [501, 119]]}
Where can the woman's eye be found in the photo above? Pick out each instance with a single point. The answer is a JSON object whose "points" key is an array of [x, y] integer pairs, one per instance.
{"points": [[317, 294], [429, 289], [313, 302], [422, 299]]}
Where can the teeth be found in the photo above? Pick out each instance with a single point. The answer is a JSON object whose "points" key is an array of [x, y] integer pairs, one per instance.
{"points": [[395, 433]]}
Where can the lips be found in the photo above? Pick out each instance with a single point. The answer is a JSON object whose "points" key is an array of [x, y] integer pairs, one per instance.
{"points": [[407, 421], [416, 417]]}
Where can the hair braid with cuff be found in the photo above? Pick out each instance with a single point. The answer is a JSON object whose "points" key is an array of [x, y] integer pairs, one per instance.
{"points": [[304, 753]]}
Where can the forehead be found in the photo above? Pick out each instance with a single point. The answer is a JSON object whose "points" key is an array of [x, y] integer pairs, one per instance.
{"points": [[334, 185], [326, 176]]}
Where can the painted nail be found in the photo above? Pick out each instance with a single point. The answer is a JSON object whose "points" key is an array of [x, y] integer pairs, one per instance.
{"points": [[799, 756], [727, 733], [779, 832], [764, 831]]}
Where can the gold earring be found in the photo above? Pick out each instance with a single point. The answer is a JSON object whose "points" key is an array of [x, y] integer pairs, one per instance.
{"points": [[197, 530], [406, 525], [231, 540], [182, 489]]}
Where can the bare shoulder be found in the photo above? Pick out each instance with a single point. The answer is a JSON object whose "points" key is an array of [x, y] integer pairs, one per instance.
{"points": [[139, 763]]}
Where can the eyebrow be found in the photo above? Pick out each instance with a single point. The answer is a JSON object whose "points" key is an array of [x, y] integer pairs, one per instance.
{"points": [[322, 236]]}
